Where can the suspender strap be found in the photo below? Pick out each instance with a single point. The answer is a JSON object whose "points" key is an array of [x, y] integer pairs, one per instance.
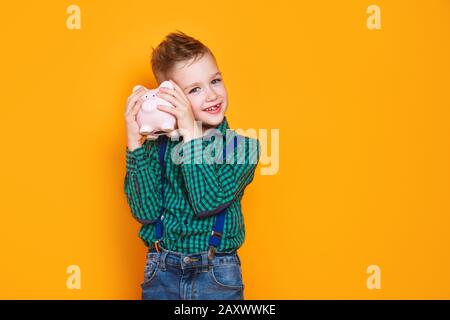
{"points": [[159, 223], [216, 234]]}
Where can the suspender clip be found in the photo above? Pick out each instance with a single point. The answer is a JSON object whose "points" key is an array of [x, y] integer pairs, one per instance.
{"points": [[217, 234], [211, 252], [157, 247]]}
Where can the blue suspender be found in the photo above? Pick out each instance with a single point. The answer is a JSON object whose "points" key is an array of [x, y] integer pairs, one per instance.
{"points": [[216, 234], [159, 224]]}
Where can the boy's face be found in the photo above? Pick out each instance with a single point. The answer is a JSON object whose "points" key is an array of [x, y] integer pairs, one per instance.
{"points": [[203, 85]]}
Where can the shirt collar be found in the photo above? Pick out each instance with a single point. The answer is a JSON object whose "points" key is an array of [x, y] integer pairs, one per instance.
{"points": [[222, 128]]}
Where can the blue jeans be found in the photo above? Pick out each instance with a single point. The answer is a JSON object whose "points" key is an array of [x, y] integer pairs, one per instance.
{"points": [[172, 275]]}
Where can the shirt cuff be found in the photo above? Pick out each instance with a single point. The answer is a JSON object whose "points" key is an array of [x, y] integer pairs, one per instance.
{"points": [[136, 159]]}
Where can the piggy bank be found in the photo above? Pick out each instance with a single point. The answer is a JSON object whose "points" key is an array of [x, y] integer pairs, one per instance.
{"points": [[152, 121]]}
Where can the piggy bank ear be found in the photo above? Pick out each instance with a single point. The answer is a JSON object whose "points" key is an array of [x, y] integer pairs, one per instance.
{"points": [[136, 88], [166, 84]]}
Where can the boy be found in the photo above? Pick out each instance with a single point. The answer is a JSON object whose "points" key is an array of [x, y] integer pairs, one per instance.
{"points": [[190, 211]]}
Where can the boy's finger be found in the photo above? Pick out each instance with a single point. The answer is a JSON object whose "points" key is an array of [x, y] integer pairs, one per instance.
{"points": [[135, 98], [169, 98], [133, 110], [136, 108], [172, 111], [136, 92], [129, 107], [179, 91], [141, 92]]}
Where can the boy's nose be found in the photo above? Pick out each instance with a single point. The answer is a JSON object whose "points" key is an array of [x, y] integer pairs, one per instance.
{"points": [[212, 95]]}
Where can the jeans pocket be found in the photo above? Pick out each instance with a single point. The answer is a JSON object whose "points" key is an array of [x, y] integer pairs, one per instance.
{"points": [[227, 275], [151, 268]]}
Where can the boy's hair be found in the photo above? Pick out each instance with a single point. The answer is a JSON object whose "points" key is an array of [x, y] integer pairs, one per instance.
{"points": [[176, 47]]}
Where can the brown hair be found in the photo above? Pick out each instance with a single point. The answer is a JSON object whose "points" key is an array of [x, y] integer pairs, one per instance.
{"points": [[176, 47]]}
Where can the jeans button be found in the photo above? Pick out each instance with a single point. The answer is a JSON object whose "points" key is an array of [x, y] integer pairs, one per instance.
{"points": [[187, 260]]}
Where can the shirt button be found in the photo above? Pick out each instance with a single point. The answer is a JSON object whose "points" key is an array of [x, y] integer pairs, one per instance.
{"points": [[186, 221]]}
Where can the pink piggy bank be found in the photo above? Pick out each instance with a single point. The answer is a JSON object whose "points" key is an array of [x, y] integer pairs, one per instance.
{"points": [[152, 121]]}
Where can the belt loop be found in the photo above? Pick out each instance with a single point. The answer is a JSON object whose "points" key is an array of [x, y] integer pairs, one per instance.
{"points": [[162, 260], [205, 262]]}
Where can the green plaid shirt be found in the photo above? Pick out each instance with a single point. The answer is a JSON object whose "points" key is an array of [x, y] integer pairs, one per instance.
{"points": [[195, 191]]}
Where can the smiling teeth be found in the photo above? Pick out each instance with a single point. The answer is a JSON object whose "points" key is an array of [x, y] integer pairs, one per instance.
{"points": [[212, 108]]}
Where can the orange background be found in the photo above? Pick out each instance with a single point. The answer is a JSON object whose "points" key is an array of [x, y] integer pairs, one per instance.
{"points": [[364, 143]]}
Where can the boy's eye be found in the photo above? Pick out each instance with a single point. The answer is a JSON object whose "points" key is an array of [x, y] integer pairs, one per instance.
{"points": [[217, 79]]}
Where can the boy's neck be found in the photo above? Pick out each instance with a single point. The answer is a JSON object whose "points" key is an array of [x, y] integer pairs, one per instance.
{"points": [[206, 128]]}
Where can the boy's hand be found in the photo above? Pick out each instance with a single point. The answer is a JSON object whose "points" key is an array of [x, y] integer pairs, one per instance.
{"points": [[183, 111], [134, 103]]}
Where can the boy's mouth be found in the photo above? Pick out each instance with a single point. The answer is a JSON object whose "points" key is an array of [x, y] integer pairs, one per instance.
{"points": [[214, 109]]}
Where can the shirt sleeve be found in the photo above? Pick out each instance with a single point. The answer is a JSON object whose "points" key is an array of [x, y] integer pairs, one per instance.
{"points": [[141, 185], [212, 187]]}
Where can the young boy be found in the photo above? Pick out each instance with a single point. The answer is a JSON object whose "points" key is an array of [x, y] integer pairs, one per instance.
{"points": [[190, 211]]}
